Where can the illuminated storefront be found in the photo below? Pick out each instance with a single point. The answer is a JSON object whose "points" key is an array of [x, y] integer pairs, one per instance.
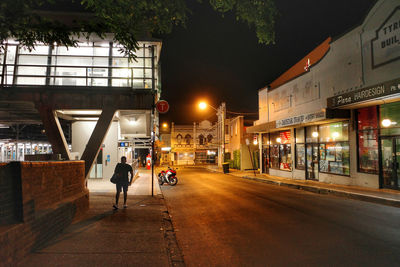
{"points": [[341, 105]]}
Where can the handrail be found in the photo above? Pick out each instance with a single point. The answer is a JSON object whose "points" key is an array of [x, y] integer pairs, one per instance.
{"points": [[90, 75]]}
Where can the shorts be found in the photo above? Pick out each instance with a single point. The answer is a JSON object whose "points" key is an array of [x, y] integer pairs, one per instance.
{"points": [[124, 186]]}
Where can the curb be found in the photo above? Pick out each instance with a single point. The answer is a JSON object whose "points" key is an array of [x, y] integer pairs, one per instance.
{"points": [[173, 249], [325, 191]]}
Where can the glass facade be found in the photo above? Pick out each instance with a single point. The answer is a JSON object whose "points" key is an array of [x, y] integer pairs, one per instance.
{"points": [[367, 138], [280, 151], [89, 64], [334, 150], [300, 149]]}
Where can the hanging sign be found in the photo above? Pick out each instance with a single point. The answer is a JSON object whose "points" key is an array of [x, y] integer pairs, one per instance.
{"points": [[162, 106]]}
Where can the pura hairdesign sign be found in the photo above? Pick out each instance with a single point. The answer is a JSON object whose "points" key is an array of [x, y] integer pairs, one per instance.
{"points": [[385, 47], [376, 91]]}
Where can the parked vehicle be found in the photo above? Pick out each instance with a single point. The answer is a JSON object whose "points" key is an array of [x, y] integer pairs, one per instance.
{"points": [[168, 176]]}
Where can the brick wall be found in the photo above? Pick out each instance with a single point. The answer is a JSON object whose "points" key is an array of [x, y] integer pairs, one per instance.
{"points": [[47, 198]]}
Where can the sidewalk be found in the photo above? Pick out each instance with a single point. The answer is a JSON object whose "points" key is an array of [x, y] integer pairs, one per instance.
{"points": [[141, 235], [380, 196]]}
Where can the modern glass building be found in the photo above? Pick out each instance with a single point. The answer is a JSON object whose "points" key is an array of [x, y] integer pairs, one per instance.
{"points": [[77, 85]]}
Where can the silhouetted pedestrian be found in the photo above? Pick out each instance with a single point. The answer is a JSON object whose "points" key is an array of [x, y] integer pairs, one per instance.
{"points": [[121, 170]]}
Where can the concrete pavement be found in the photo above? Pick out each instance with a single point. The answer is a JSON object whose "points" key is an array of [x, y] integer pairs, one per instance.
{"points": [[141, 235], [380, 196]]}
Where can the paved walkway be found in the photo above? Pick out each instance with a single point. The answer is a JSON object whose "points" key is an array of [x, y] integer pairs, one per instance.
{"points": [[381, 196], [141, 235]]}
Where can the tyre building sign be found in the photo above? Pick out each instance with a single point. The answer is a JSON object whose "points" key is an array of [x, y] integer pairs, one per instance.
{"points": [[372, 92], [385, 47]]}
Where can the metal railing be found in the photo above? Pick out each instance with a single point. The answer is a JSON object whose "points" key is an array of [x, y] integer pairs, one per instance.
{"points": [[42, 75]]}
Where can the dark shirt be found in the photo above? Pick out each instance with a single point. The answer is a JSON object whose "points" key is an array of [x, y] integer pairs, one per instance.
{"points": [[122, 171]]}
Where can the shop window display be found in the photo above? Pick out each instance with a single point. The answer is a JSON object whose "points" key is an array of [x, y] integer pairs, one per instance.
{"points": [[300, 149], [390, 119], [274, 151], [334, 150], [367, 135]]}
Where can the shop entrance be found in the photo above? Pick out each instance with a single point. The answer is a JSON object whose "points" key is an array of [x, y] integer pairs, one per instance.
{"points": [[390, 173], [265, 160], [312, 162]]}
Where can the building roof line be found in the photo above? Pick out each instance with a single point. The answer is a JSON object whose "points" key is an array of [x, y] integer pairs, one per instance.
{"points": [[300, 68]]}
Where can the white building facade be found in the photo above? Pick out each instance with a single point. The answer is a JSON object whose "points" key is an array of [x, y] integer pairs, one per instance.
{"points": [[333, 117]]}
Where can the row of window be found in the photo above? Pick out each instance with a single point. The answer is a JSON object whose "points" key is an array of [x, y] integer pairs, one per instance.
{"points": [[188, 138], [325, 147], [88, 65]]}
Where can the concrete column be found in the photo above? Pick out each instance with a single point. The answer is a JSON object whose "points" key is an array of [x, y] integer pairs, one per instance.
{"points": [[54, 131], [96, 139]]}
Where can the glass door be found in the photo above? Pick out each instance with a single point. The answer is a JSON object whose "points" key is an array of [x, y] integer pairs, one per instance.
{"points": [[312, 162], [390, 162], [265, 165]]}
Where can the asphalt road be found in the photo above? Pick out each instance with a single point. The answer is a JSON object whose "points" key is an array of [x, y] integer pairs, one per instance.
{"points": [[221, 220]]}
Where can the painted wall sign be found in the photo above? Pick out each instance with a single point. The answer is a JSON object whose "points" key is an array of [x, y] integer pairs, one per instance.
{"points": [[376, 91], [305, 118], [385, 47]]}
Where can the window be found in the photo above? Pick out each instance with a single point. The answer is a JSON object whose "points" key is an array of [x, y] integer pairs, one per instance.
{"points": [[274, 151], [334, 151], [300, 149], [188, 138], [209, 138], [390, 119], [367, 137], [179, 139], [201, 139], [280, 151]]}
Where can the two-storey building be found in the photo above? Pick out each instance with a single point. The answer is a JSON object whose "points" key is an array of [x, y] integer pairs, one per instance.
{"points": [[105, 97]]}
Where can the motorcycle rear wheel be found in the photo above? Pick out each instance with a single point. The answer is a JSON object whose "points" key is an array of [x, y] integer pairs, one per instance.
{"points": [[160, 181]]}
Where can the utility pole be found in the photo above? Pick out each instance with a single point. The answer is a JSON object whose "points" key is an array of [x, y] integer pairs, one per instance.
{"points": [[223, 115]]}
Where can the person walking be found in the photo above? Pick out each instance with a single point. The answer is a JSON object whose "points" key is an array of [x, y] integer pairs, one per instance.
{"points": [[123, 181]]}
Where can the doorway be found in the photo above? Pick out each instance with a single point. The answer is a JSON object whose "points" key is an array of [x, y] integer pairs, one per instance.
{"points": [[390, 171], [312, 162]]}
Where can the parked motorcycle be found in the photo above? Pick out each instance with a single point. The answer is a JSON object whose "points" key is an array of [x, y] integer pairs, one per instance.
{"points": [[168, 176]]}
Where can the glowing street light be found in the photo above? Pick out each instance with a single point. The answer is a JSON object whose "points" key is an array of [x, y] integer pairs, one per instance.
{"points": [[165, 125], [202, 105]]}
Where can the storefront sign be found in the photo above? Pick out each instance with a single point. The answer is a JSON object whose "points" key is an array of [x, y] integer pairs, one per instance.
{"points": [[305, 118], [376, 91], [385, 47]]}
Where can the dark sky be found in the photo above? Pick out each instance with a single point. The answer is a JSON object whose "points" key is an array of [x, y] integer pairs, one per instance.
{"points": [[219, 59]]}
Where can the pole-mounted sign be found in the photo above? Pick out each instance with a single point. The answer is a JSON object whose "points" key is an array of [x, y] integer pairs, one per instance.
{"points": [[162, 106]]}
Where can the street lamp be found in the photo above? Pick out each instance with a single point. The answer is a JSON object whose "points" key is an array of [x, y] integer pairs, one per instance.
{"points": [[165, 125], [221, 113]]}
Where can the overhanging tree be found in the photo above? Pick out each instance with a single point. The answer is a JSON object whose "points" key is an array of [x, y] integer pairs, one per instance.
{"points": [[33, 21]]}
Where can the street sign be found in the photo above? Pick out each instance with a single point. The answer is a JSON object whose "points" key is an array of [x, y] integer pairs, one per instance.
{"points": [[162, 106]]}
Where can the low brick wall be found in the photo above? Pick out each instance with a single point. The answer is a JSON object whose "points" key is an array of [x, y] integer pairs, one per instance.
{"points": [[41, 199]]}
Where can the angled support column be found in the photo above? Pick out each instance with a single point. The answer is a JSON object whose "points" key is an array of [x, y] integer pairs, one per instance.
{"points": [[54, 131], [97, 138]]}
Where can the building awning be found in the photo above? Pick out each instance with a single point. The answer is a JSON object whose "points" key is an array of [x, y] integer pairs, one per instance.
{"points": [[319, 117], [261, 128]]}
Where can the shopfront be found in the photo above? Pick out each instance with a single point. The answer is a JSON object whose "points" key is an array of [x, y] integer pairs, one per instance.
{"points": [[378, 136], [323, 148]]}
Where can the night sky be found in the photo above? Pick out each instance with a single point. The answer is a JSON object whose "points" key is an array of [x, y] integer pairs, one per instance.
{"points": [[219, 59]]}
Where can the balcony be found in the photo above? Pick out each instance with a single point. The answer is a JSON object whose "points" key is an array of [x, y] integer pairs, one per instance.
{"points": [[89, 65]]}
